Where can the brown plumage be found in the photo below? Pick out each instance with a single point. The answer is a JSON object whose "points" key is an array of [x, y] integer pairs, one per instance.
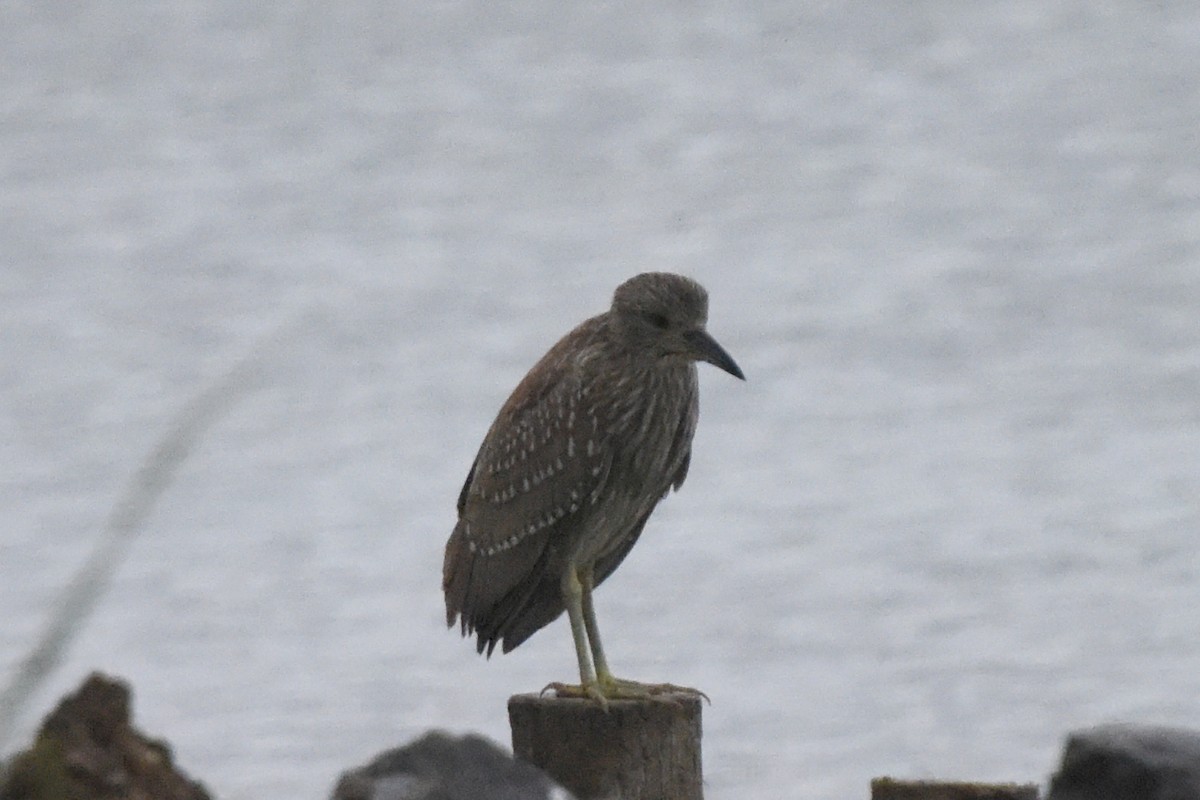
{"points": [[578, 457]]}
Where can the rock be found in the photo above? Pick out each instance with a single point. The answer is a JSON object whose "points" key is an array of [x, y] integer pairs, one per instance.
{"points": [[88, 750], [1129, 762], [442, 767]]}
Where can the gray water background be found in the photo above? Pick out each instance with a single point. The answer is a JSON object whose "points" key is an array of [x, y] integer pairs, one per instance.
{"points": [[955, 247]]}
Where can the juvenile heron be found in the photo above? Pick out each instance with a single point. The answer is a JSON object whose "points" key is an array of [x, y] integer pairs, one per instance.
{"points": [[578, 457]]}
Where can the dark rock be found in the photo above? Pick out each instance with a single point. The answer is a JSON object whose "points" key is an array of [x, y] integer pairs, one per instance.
{"points": [[88, 750], [442, 767], [1129, 762]]}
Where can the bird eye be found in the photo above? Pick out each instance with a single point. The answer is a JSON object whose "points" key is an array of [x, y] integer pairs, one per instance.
{"points": [[657, 320]]}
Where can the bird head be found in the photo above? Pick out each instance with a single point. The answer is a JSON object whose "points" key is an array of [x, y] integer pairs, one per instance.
{"points": [[665, 314]]}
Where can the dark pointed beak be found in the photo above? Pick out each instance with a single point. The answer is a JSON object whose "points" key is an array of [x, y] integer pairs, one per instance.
{"points": [[705, 348]]}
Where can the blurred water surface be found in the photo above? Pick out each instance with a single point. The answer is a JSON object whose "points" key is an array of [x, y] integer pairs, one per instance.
{"points": [[955, 247]]}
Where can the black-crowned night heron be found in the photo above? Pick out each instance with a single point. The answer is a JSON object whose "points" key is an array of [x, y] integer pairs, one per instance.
{"points": [[578, 457]]}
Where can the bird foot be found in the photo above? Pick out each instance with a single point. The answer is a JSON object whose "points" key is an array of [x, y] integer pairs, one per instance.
{"points": [[611, 688], [589, 691], [634, 690]]}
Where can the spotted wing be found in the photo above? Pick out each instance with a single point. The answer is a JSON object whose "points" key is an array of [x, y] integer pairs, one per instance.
{"points": [[538, 468]]}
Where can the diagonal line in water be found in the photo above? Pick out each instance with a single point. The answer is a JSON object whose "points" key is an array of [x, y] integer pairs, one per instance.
{"points": [[127, 519]]}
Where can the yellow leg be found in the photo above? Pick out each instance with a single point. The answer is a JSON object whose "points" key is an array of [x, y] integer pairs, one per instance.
{"points": [[608, 686], [586, 581], [589, 686], [574, 596]]}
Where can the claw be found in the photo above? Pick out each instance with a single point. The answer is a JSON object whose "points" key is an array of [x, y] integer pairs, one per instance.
{"points": [[591, 691], [618, 687]]}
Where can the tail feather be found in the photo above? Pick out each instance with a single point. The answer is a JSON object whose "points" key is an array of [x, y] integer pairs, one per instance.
{"points": [[471, 581]]}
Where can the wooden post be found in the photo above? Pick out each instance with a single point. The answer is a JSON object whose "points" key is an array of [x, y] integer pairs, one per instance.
{"points": [[891, 789], [635, 750]]}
